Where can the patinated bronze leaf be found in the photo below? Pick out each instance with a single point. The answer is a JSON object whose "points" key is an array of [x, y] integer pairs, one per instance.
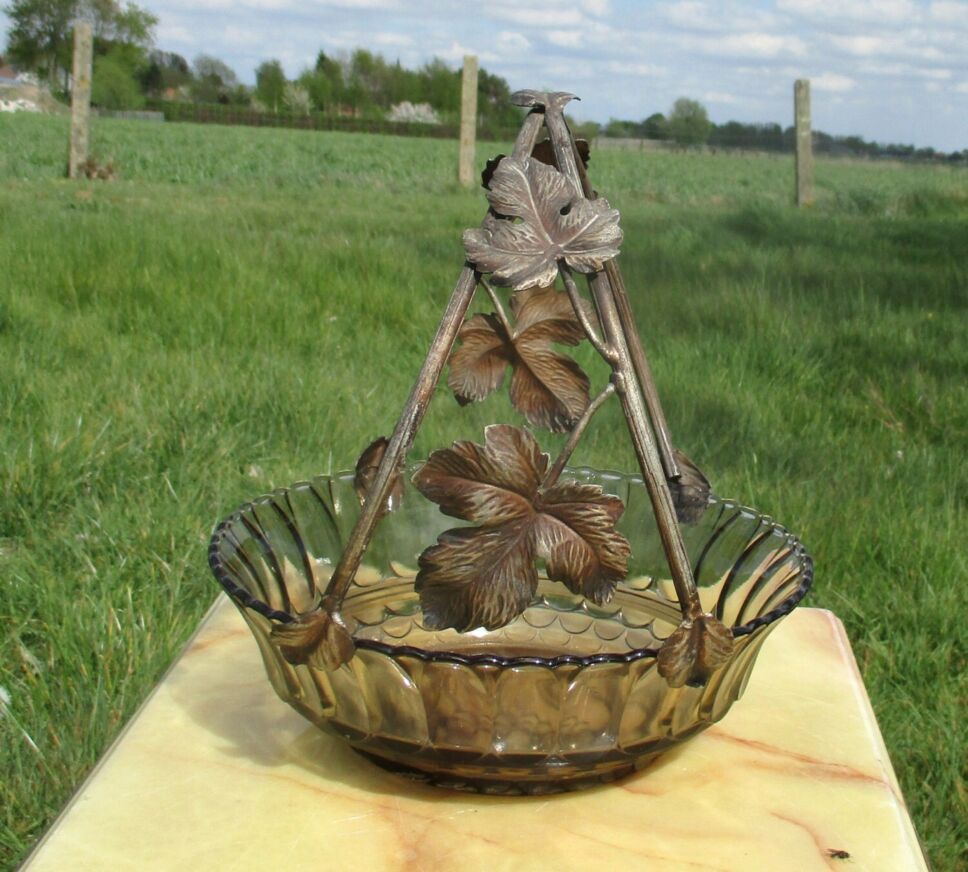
{"points": [[695, 651], [319, 638], [556, 224], [485, 576], [547, 387], [366, 468], [690, 492]]}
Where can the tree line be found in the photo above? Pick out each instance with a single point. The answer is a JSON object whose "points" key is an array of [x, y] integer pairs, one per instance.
{"points": [[688, 124], [129, 72]]}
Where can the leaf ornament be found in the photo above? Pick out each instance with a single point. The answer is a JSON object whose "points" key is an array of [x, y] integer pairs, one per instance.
{"points": [[690, 492], [556, 224], [318, 638], [695, 651], [547, 387], [366, 469], [485, 576]]}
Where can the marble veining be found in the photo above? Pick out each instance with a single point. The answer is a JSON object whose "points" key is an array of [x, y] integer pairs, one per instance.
{"points": [[216, 772]]}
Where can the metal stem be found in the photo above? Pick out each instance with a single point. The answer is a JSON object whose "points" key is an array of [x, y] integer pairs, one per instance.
{"points": [[575, 435], [406, 429], [576, 303], [498, 307], [639, 361], [626, 383]]}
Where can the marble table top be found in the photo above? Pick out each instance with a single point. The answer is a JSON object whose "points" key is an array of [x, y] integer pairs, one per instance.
{"points": [[216, 773]]}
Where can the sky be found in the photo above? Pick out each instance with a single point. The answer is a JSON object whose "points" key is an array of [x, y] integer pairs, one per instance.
{"points": [[887, 70]]}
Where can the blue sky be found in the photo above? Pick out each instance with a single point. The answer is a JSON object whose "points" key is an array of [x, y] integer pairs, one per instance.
{"points": [[890, 70]]}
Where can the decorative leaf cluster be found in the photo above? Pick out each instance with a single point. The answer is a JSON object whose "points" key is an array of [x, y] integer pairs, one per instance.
{"points": [[318, 638], [366, 469], [556, 224], [690, 492], [695, 651], [485, 576], [547, 387]]}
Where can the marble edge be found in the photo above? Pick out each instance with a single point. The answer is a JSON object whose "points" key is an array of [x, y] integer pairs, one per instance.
{"points": [[876, 739], [217, 605]]}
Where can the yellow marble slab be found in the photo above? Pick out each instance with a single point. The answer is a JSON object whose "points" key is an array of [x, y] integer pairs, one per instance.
{"points": [[216, 773]]}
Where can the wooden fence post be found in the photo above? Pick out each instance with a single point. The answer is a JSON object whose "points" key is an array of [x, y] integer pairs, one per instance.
{"points": [[80, 99], [468, 121], [804, 139]]}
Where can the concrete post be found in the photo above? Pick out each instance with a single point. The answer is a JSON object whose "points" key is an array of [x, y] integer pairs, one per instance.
{"points": [[804, 140], [80, 99], [468, 121]]}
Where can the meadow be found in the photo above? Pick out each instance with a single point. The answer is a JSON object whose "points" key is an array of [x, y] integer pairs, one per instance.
{"points": [[244, 308]]}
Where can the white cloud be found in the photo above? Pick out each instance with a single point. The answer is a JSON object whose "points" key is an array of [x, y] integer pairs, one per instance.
{"points": [[174, 33], [456, 52], [832, 82], [961, 88], [752, 45], [876, 11], [646, 71], [912, 45], [510, 42], [243, 38], [392, 39], [535, 13], [565, 38], [950, 12], [720, 97], [704, 17]]}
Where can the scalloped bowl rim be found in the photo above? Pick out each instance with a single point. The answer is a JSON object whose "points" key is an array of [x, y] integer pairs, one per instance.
{"points": [[243, 597]]}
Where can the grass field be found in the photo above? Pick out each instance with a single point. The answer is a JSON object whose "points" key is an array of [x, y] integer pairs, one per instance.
{"points": [[247, 307]]}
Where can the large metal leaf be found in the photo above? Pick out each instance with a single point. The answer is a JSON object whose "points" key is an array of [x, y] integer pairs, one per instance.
{"points": [[485, 576], [547, 387], [555, 223], [695, 651]]}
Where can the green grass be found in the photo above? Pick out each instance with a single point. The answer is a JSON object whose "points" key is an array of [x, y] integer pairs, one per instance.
{"points": [[248, 307]]}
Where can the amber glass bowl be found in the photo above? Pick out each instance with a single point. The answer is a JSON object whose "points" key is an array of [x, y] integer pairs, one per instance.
{"points": [[566, 695]]}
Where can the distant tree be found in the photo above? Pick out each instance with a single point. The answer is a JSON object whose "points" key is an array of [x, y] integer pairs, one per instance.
{"points": [[41, 31], [113, 83], [584, 129], [688, 122], [655, 126], [270, 85], [318, 87], [622, 129], [214, 80], [164, 71], [296, 99]]}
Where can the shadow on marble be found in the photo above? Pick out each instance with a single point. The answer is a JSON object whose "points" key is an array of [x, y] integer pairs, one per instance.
{"points": [[257, 727]]}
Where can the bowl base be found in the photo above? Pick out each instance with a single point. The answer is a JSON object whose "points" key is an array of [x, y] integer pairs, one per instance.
{"points": [[526, 781]]}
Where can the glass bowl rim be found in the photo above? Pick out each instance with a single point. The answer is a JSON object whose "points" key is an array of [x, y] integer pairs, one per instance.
{"points": [[243, 597]]}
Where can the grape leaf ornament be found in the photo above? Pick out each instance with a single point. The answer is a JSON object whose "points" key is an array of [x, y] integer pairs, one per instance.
{"points": [[366, 469], [554, 225], [547, 387], [319, 638], [485, 575], [695, 651]]}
